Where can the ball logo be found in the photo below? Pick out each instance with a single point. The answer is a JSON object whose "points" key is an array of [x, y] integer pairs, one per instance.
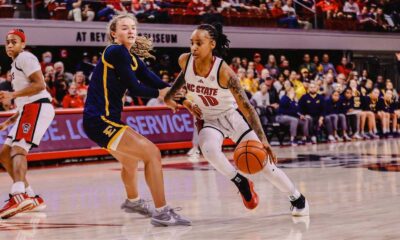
{"points": [[26, 127]]}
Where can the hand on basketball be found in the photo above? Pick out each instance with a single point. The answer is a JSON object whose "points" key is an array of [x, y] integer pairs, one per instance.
{"points": [[270, 154], [5, 95]]}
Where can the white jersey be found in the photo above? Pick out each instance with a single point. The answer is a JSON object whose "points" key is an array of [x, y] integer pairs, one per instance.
{"points": [[22, 67], [207, 93]]}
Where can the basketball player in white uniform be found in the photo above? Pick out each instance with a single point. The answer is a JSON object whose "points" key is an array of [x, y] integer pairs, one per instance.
{"points": [[215, 96], [33, 116]]}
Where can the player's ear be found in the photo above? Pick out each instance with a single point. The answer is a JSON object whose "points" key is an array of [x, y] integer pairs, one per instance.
{"points": [[213, 44], [23, 44]]}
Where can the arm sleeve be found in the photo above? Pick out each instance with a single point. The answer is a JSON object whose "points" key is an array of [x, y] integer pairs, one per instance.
{"points": [[148, 77], [121, 60]]}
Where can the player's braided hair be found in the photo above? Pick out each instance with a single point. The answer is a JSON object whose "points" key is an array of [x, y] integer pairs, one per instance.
{"points": [[143, 45], [221, 40]]}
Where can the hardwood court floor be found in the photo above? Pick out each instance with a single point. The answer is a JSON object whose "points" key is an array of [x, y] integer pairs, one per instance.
{"points": [[353, 190]]}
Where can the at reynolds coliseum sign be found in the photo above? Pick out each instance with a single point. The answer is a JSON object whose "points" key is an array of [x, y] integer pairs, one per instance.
{"points": [[160, 126]]}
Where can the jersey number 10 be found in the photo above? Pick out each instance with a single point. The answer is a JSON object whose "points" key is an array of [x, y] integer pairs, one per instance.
{"points": [[209, 100]]}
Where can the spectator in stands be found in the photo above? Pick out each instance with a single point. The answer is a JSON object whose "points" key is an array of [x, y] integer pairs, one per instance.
{"points": [[86, 66], [272, 66], [344, 67], [6, 84], [311, 106], [341, 79], [112, 8], [330, 8], [335, 118], [367, 19], [257, 63], [166, 78], [297, 85], [387, 108], [351, 9], [235, 64], [369, 104], [380, 84], [289, 114], [353, 112], [389, 86], [88, 13], [250, 83], [47, 58], [72, 99], [75, 12], [307, 64], [244, 63], [318, 66], [60, 72], [364, 75], [263, 76], [80, 85], [326, 65], [328, 87], [284, 66], [262, 102], [382, 23], [284, 18], [150, 12], [195, 7]]}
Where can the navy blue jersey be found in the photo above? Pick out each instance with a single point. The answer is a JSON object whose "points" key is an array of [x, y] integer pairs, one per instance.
{"points": [[370, 105], [117, 72], [332, 107], [346, 104], [288, 107], [388, 107], [313, 106]]}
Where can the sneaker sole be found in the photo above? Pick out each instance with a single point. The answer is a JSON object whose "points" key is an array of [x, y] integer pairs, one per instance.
{"points": [[22, 208], [38, 208], [167, 224]]}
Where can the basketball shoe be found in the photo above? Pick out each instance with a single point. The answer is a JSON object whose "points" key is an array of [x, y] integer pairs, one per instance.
{"points": [[17, 203], [246, 189], [300, 207], [168, 217], [38, 204], [141, 206]]}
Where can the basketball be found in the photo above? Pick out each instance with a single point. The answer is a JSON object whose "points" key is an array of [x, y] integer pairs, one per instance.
{"points": [[250, 156]]}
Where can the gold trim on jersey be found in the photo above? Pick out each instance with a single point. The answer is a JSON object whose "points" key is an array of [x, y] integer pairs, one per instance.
{"points": [[122, 130], [135, 66], [105, 72], [111, 122]]}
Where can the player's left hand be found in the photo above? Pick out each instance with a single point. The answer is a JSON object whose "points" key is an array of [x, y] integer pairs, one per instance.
{"points": [[5, 95], [270, 154], [171, 104]]}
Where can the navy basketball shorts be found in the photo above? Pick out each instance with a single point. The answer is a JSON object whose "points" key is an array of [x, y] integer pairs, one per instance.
{"points": [[103, 131]]}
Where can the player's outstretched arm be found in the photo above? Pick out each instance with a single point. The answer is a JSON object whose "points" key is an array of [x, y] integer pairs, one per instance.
{"points": [[231, 81], [36, 86]]}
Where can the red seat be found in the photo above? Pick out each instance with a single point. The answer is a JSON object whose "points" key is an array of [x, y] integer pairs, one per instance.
{"points": [[6, 11]]}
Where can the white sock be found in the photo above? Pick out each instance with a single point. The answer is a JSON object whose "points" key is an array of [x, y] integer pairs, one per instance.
{"points": [[161, 208], [295, 195], [279, 179], [30, 191], [134, 199], [18, 187]]}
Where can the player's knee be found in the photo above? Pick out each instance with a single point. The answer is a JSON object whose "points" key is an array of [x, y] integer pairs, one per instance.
{"points": [[17, 151]]}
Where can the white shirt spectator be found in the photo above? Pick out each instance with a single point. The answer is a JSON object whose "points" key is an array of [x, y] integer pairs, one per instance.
{"points": [[154, 102], [351, 8], [262, 100], [289, 10]]}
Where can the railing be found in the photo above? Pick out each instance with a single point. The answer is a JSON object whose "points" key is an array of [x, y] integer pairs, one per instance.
{"points": [[314, 11]]}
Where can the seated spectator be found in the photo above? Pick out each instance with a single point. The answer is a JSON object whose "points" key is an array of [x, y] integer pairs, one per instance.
{"points": [[272, 66], [282, 17], [244, 62], [72, 99], [330, 8], [334, 117], [369, 104], [47, 58], [389, 86], [297, 85], [364, 75], [305, 76], [328, 87], [311, 106], [290, 11], [352, 111], [88, 13], [235, 64], [289, 114], [6, 84], [381, 21], [344, 67], [150, 12], [113, 7], [318, 65], [257, 63], [367, 19], [59, 71], [351, 9], [250, 83], [380, 84], [326, 65], [387, 108], [263, 76], [265, 102], [341, 79], [195, 7], [75, 12], [80, 85], [307, 64]]}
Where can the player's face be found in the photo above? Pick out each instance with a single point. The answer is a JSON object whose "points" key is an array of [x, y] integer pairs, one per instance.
{"points": [[201, 44], [125, 32], [14, 45]]}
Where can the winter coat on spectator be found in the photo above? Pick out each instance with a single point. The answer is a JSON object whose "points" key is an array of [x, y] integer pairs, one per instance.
{"points": [[313, 106]]}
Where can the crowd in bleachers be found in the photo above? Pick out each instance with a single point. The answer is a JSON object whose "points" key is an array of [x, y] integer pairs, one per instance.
{"points": [[317, 100], [374, 15]]}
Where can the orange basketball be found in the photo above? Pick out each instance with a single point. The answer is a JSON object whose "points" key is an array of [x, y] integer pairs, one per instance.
{"points": [[250, 156]]}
